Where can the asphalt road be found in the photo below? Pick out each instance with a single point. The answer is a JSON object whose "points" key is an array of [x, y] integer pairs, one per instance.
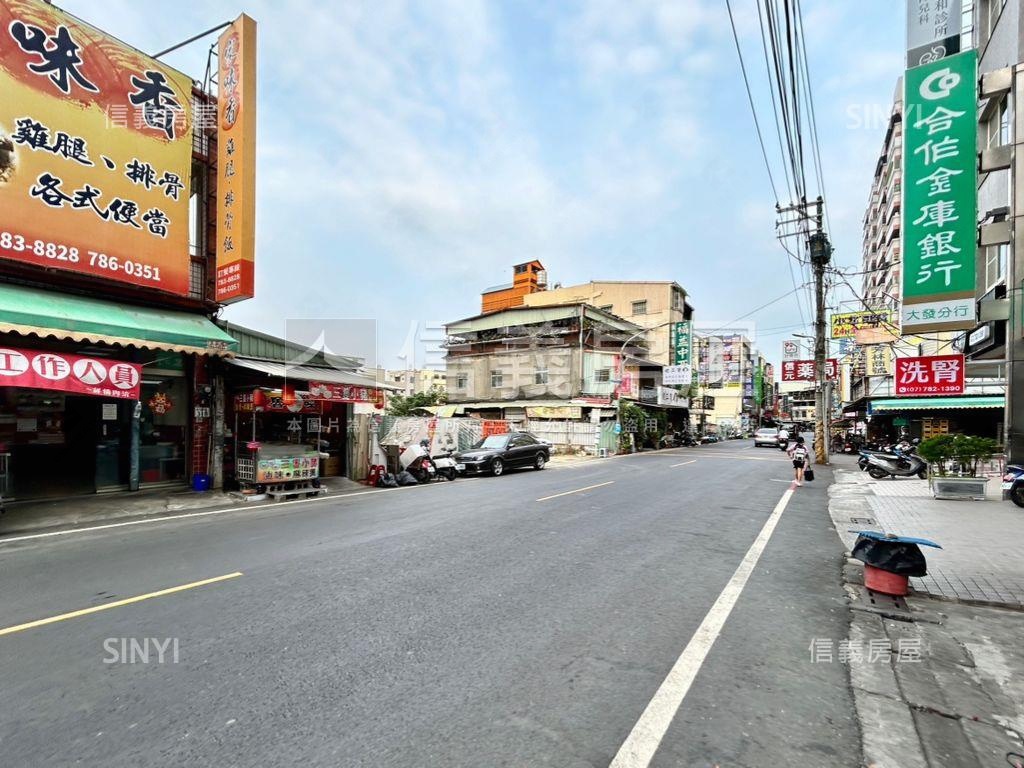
{"points": [[486, 622]]}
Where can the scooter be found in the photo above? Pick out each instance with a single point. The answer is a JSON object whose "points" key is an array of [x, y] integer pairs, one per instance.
{"points": [[1013, 484], [901, 463], [447, 467], [417, 462]]}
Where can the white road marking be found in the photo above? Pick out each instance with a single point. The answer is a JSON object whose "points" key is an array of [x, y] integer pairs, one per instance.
{"points": [[225, 510], [643, 741], [578, 490], [684, 463]]}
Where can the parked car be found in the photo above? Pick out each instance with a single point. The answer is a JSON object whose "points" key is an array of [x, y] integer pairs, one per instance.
{"points": [[766, 436], [705, 439], [496, 453]]}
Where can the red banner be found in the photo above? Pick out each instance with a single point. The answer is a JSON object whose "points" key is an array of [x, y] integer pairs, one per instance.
{"points": [[936, 375], [345, 393], [803, 370], [70, 373]]}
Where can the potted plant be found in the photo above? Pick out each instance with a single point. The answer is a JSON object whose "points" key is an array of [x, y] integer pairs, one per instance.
{"points": [[953, 465]]}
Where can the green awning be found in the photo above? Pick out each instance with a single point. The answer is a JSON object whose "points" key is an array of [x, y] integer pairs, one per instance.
{"points": [[36, 312], [934, 403]]}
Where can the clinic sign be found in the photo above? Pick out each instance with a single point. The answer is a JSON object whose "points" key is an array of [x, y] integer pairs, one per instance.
{"points": [[95, 152], [935, 375], [681, 342], [100, 377], [236, 161], [940, 195], [933, 30]]}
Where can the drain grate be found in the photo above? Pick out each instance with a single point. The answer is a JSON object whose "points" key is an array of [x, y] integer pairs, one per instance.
{"points": [[863, 520], [885, 602]]}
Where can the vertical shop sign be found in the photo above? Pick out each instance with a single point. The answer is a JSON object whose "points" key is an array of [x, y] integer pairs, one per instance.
{"points": [[236, 162]]}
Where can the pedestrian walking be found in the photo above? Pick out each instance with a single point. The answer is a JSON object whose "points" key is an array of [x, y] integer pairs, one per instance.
{"points": [[799, 454]]}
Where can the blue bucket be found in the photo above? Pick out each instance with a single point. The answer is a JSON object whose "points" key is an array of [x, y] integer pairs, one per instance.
{"points": [[201, 482]]}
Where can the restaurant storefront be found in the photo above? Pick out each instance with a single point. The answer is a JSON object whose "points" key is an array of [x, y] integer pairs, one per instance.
{"points": [[99, 396]]}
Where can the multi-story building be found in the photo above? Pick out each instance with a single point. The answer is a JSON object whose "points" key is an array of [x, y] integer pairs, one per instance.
{"points": [[999, 42], [561, 361], [881, 253], [727, 365], [995, 347], [650, 304], [415, 381]]}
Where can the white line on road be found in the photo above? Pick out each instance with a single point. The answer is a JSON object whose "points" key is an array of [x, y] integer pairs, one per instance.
{"points": [[684, 463], [643, 741], [578, 490], [185, 515]]}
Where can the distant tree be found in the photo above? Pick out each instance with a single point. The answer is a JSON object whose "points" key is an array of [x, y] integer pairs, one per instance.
{"points": [[402, 405]]}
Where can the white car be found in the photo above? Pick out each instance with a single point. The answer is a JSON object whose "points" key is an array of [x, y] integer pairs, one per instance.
{"points": [[766, 436]]}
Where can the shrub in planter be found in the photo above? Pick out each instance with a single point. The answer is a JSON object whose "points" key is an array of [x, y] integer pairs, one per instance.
{"points": [[960, 453], [954, 460]]}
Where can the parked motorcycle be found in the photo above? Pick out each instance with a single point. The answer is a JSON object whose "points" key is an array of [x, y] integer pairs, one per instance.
{"points": [[1013, 484], [417, 462], [447, 467], [902, 462]]}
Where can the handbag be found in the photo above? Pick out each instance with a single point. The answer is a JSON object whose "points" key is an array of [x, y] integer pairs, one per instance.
{"points": [[809, 475]]}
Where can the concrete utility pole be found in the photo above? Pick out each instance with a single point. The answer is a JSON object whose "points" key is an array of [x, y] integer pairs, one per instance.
{"points": [[820, 252]]}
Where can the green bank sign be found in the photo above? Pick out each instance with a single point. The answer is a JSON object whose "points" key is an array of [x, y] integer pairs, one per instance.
{"points": [[940, 194]]}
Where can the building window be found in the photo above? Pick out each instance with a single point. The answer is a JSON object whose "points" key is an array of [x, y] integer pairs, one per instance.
{"points": [[197, 279], [496, 378], [997, 128], [967, 26], [607, 308], [603, 375], [540, 377], [639, 307], [995, 265], [995, 7], [461, 381]]}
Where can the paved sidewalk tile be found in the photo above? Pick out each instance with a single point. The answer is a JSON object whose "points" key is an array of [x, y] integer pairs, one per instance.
{"points": [[980, 559]]}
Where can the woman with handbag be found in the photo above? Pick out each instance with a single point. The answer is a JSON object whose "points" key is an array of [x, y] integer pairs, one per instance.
{"points": [[799, 454]]}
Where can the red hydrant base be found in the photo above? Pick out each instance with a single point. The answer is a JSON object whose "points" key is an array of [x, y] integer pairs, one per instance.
{"points": [[882, 581]]}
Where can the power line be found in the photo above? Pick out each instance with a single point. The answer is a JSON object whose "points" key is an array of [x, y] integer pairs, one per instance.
{"points": [[751, 312], [750, 99]]}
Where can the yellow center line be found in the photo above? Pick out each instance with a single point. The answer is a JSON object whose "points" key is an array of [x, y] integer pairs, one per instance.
{"points": [[684, 463], [116, 604], [578, 490]]}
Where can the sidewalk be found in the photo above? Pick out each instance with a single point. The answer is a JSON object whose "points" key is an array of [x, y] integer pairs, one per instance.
{"points": [[951, 692], [981, 559], [82, 511]]}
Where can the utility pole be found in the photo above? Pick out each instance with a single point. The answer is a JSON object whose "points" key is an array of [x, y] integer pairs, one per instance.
{"points": [[812, 227]]}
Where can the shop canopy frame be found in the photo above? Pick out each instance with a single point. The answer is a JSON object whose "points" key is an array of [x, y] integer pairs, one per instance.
{"points": [[896, 405], [49, 314]]}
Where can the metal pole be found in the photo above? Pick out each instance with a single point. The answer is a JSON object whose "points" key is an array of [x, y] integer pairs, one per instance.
{"points": [[192, 39]]}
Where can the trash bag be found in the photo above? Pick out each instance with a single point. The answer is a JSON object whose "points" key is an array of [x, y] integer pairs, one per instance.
{"points": [[387, 480], [894, 556], [406, 478]]}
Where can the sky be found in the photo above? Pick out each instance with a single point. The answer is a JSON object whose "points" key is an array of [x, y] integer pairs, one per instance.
{"points": [[410, 152]]}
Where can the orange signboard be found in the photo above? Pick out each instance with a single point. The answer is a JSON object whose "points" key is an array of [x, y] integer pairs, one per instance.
{"points": [[95, 152], [236, 162]]}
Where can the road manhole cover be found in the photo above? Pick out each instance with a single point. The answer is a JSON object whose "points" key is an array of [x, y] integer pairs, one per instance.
{"points": [[862, 520]]}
